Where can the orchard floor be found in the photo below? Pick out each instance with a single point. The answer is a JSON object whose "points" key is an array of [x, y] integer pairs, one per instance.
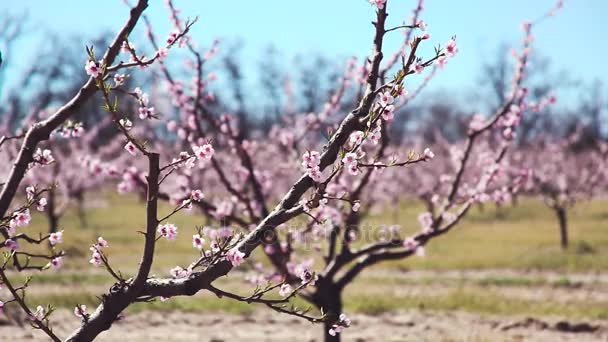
{"points": [[263, 326]]}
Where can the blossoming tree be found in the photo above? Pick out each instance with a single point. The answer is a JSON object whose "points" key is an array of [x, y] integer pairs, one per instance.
{"points": [[327, 187]]}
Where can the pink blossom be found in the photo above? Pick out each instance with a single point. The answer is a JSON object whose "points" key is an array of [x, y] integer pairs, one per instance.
{"points": [[11, 244], [197, 241], [419, 67], [235, 257], [96, 258], [162, 53], [131, 148], [427, 154], [356, 137], [378, 3], [101, 243], [410, 243], [421, 25], [389, 113], [178, 272], [57, 262], [450, 47], [386, 99], [376, 135], [43, 157], [342, 323], [307, 276], [204, 152], [315, 174], [20, 219], [143, 98], [55, 238], [93, 69], [420, 251], [147, 113], [477, 123], [310, 159], [80, 311], [269, 249], [353, 169], [425, 219], [41, 204], [442, 61], [119, 79], [171, 126], [30, 192], [197, 195], [285, 290], [173, 36], [356, 206], [350, 158], [126, 124], [168, 231], [39, 314]]}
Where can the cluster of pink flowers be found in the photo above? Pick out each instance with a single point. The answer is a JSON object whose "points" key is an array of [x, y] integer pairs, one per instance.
{"points": [[72, 130], [285, 290], [31, 193], [55, 238], [131, 148], [197, 241], [450, 51], [197, 195], [310, 162], [126, 124], [427, 154], [11, 244], [179, 272], [80, 311], [168, 231], [413, 245], [130, 178], [342, 323], [39, 314], [356, 137], [306, 275], [350, 160], [93, 68], [56, 262], [119, 79], [19, 219], [204, 152], [235, 256], [43, 157], [96, 257], [173, 36], [378, 3]]}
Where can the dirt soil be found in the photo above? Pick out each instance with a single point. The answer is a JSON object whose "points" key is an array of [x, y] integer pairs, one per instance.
{"points": [[264, 326]]}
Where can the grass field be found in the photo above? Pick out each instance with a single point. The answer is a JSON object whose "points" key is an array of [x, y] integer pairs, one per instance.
{"points": [[505, 262]]}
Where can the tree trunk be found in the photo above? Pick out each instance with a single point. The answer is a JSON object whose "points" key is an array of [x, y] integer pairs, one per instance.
{"points": [[563, 226], [329, 298], [82, 217], [50, 213]]}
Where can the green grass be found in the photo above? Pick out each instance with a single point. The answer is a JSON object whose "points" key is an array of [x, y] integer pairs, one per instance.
{"points": [[520, 238], [474, 301], [524, 237]]}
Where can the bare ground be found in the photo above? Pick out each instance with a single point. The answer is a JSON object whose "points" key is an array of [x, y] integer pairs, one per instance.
{"points": [[264, 326]]}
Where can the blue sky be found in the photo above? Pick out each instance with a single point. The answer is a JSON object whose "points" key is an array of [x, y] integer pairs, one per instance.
{"points": [[340, 28]]}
